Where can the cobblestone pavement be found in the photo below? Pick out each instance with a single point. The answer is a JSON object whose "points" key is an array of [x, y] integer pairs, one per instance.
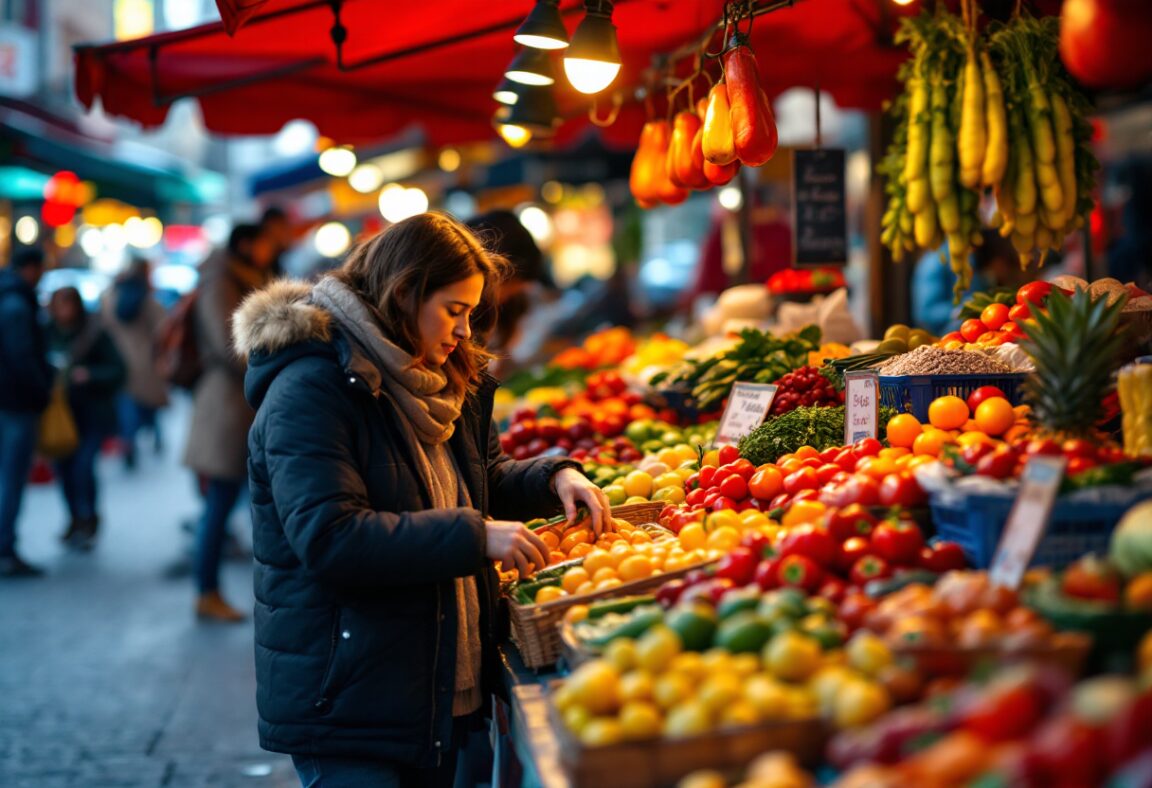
{"points": [[106, 678]]}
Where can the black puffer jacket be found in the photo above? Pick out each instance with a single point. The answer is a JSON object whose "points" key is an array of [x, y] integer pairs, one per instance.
{"points": [[355, 604], [25, 376]]}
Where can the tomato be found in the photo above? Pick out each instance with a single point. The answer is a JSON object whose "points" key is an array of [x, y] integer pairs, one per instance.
{"points": [[709, 498], [854, 609], [806, 495], [851, 551], [803, 479], [669, 593], [897, 542], [1004, 711], [1079, 465], [1067, 752], [1000, 464], [867, 447], [846, 459], [707, 474], [695, 497], [832, 589], [900, 490], [766, 483], [981, 394], [756, 542], [765, 575], [972, 454], [1079, 448], [734, 487], [745, 468], [739, 566], [994, 316], [798, 571], [781, 501], [868, 568], [721, 503], [951, 336], [1091, 578], [1045, 447], [972, 328], [811, 541], [863, 490], [728, 454], [848, 521], [1127, 733], [1033, 293], [829, 454], [943, 557], [1019, 313]]}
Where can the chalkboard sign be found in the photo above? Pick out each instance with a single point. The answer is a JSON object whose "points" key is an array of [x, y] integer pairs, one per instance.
{"points": [[819, 219]]}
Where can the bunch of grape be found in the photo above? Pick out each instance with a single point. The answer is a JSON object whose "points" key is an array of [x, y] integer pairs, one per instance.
{"points": [[805, 386]]}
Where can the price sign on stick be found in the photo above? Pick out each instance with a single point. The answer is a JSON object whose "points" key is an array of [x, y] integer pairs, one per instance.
{"points": [[1027, 520], [748, 406], [861, 406]]}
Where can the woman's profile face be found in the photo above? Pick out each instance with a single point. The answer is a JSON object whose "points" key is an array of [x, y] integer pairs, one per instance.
{"points": [[444, 319]]}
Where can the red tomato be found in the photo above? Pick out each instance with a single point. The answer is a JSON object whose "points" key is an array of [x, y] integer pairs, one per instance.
{"points": [[710, 498], [728, 454], [734, 487], [860, 489], [852, 551], [867, 447], [1079, 448], [952, 336], [869, 567], [1033, 293], [846, 459], [695, 497], [765, 575], [766, 483], [707, 474], [897, 542], [1013, 330], [972, 328], [994, 316], [1045, 447], [829, 454], [832, 589], [722, 473], [745, 468], [1079, 465], [781, 501], [898, 489], [756, 542], [739, 566], [843, 523], [943, 557], [1104, 42], [826, 473], [811, 541], [803, 479], [1004, 712], [721, 503], [854, 609], [669, 593], [1019, 313], [1000, 464], [806, 495], [1067, 752], [798, 571], [981, 394]]}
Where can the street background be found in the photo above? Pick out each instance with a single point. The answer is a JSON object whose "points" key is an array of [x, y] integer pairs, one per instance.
{"points": [[106, 677]]}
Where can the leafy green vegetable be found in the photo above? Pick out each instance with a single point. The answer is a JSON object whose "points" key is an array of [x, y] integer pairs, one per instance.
{"points": [[818, 427]]}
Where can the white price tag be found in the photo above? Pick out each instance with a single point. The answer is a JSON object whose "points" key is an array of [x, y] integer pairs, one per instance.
{"points": [[747, 407], [1027, 520], [861, 406]]}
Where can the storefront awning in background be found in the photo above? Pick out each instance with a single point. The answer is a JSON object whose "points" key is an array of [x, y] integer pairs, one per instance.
{"points": [[435, 65]]}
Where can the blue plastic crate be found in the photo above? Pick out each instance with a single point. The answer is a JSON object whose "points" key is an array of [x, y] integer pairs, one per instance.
{"points": [[914, 393], [1076, 528]]}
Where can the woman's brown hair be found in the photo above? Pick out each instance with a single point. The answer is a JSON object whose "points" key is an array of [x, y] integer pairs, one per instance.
{"points": [[399, 269]]}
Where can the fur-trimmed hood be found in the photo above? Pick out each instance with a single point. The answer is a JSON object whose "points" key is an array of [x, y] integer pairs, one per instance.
{"points": [[279, 316]]}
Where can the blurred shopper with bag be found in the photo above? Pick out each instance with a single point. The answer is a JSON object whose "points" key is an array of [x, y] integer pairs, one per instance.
{"points": [[133, 317], [92, 372], [25, 383], [375, 466], [218, 438]]}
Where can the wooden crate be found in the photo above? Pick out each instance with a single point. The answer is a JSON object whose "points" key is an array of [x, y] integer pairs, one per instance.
{"points": [[536, 628], [661, 763]]}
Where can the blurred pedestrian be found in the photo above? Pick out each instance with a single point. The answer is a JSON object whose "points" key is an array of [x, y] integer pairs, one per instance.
{"points": [[25, 384], [132, 315], [277, 228], [94, 373], [218, 439], [374, 470]]}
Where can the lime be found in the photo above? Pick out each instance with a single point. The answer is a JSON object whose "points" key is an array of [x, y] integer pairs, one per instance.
{"points": [[694, 623], [617, 495]]}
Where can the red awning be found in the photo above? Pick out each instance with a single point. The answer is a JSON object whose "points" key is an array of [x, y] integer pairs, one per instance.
{"points": [[435, 64]]}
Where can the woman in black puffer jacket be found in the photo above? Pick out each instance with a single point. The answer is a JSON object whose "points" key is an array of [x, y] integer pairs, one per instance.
{"points": [[374, 465]]}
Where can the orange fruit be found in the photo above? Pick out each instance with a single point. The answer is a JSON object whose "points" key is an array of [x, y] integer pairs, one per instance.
{"points": [[806, 453], [903, 429], [608, 582], [574, 578], [995, 415], [640, 537], [574, 538], [636, 567], [895, 453], [549, 594], [556, 557], [931, 442], [948, 413], [550, 538], [973, 438], [692, 536], [597, 560], [580, 550], [602, 574]]}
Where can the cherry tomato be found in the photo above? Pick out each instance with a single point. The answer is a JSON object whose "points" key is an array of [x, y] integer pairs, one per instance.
{"points": [[728, 454], [851, 551], [745, 468], [854, 609], [811, 541], [766, 483], [1079, 448], [867, 447], [897, 542], [1033, 293], [825, 473], [806, 495], [756, 542], [765, 575], [1079, 465], [981, 394], [721, 503], [943, 557], [1019, 313], [972, 328], [847, 459], [1045, 447], [734, 487], [1000, 464], [832, 589], [994, 316], [695, 497], [707, 474], [803, 479]]}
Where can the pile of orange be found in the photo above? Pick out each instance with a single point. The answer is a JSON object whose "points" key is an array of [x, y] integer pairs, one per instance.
{"points": [[950, 421]]}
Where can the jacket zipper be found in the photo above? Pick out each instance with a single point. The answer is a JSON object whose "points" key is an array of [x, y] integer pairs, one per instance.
{"points": [[435, 678], [324, 688]]}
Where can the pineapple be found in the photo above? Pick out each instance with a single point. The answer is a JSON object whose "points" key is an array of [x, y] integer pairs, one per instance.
{"points": [[1074, 349]]}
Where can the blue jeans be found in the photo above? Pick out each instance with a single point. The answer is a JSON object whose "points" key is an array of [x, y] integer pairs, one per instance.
{"points": [[77, 474], [133, 417], [323, 771], [220, 498], [18, 433]]}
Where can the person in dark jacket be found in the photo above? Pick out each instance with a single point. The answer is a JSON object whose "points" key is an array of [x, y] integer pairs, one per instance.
{"points": [[374, 468], [25, 384], [95, 372]]}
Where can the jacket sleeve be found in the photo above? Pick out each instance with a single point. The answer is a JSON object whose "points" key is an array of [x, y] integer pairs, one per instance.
{"points": [[522, 489], [322, 501], [106, 366], [20, 345], [215, 305]]}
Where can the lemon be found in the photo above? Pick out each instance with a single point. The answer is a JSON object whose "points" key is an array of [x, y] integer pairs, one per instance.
{"points": [[549, 594], [719, 691], [724, 538], [721, 519], [638, 483], [802, 704], [634, 499], [669, 494], [636, 685], [595, 685], [671, 689], [617, 495], [739, 714], [716, 660], [791, 656], [692, 536], [826, 683], [690, 718], [768, 696], [601, 732], [868, 653], [622, 654], [745, 665], [575, 718], [690, 664], [640, 720], [859, 702]]}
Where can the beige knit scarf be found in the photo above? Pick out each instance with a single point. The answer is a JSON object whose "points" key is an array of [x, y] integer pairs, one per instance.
{"points": [[430, 412]]}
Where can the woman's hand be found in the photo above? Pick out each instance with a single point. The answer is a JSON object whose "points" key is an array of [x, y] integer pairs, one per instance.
{"points": [[514, 545], [574, 488]]}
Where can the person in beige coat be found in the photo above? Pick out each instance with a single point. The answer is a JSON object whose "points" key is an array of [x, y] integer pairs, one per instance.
{"points": [[132, 317], [218, 442]]}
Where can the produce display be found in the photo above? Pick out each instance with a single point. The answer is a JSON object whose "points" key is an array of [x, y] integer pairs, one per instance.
{"points": [[993, 110]]}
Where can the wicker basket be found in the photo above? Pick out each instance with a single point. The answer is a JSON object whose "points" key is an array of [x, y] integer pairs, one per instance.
{"points": [[536, 628]]}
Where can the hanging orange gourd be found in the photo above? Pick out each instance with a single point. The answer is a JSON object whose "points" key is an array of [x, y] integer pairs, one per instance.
{"points": [[680, 164], [697, 152], [719, 146], [752, 123], [642, 179], [666, 191]]}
